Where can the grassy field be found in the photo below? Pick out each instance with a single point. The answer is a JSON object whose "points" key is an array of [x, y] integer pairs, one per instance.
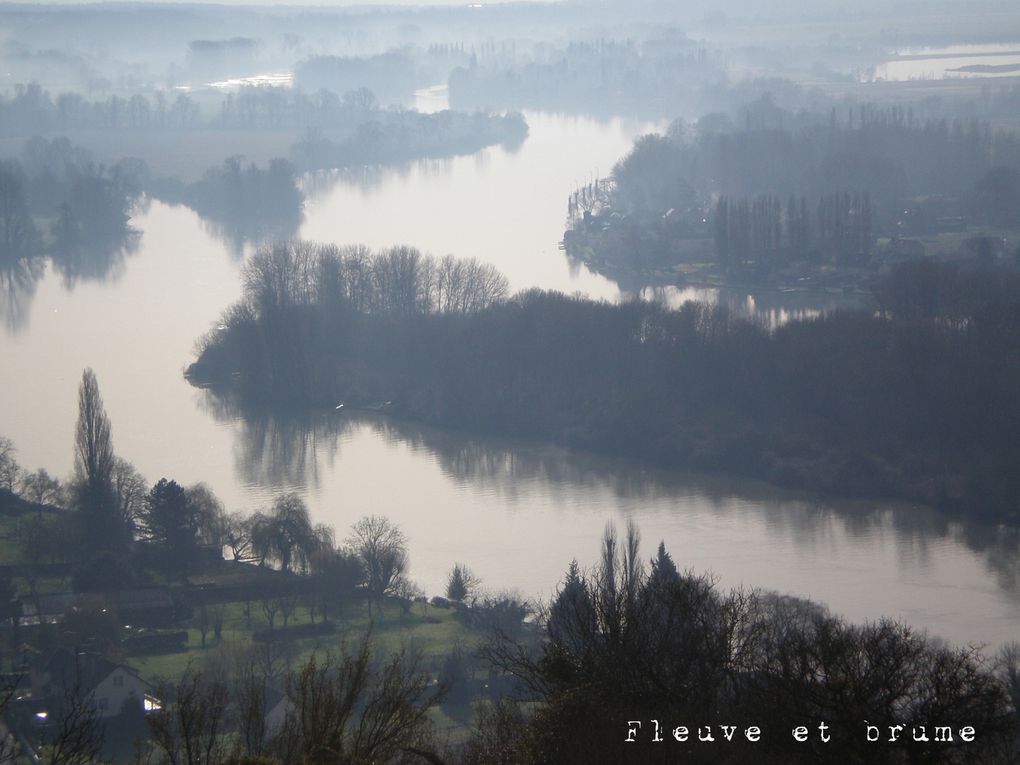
{"points": [[433, 631]]}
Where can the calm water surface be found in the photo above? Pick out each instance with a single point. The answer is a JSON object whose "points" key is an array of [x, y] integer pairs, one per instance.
{"points": [[517, 513], [939, 63]]}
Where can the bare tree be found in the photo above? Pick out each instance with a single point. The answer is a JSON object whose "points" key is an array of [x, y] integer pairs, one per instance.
{"points": [[348, 705], [249, 696], [189, 730], [499, 737], [78, 734], [40, 487], [382, 548], [9, 468], [396, 276], [130, 488], [288, 602], [272, 658], [1009, 668], [270, 607], [237, 536]]}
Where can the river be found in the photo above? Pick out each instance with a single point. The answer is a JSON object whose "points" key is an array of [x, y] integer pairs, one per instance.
{"points": [[516, 513], [985, 60]]}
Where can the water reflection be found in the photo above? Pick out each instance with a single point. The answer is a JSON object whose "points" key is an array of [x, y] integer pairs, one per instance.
{"points": [[369, 178], [282, 450], [18, 282], [297, 450], [516, 512], [984, 60], [94, 261], [770, 308], [242, 230], [83, 262]]}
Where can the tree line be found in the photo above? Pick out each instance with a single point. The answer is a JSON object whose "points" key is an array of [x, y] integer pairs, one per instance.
{"points": [[300, 294], [85, 204], [915, 401], [842, 181], [118, 524], [601, 76], [401, 136], [241, 201], [764, 232], [30, 110]]}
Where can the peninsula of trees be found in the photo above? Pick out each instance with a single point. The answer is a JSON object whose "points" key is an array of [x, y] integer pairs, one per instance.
{"points": [[915, 401]]}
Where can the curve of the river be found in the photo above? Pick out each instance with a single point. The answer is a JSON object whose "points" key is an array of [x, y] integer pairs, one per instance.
{"points": [[516, 513]]}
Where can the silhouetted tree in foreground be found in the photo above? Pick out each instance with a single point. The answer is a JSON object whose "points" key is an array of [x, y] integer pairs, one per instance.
{"points": [[382, 548], [344, 708], [93, 491], [77, 732], [286, 536], [622, 644], [350, 708]]}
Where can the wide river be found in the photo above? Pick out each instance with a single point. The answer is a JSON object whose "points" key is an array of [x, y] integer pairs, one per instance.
{"points": [[516, 513]]}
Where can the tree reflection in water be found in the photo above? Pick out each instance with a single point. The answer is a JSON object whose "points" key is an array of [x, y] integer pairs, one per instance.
{"points": [[18, 281], [295, 449]]}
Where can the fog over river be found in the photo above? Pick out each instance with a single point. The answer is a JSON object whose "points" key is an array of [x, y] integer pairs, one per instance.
{"points": [[516, 513]]}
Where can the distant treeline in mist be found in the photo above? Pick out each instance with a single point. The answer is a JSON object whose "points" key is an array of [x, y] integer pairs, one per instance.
{"points": [[767, 195], [405, 136], [656, 76], [241, 200], [55, 199], [391, 75], [30, 110], [917, 401]]}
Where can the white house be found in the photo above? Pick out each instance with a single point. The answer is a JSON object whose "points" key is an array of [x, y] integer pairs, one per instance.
{"points": [[106, 683]]}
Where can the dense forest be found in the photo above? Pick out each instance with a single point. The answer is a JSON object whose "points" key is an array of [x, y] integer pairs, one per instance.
{"points": [[916, 401]]}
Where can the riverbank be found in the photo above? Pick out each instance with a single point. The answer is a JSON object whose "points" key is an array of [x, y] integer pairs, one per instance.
{"points": [[855, 404]]}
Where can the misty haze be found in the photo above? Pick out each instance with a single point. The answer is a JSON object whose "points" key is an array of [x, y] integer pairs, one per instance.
{"points": [[509, 383]]}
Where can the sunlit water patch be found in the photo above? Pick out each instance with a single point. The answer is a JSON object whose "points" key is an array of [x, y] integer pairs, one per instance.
{"points": [[277, 80], [1002, 60]]}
